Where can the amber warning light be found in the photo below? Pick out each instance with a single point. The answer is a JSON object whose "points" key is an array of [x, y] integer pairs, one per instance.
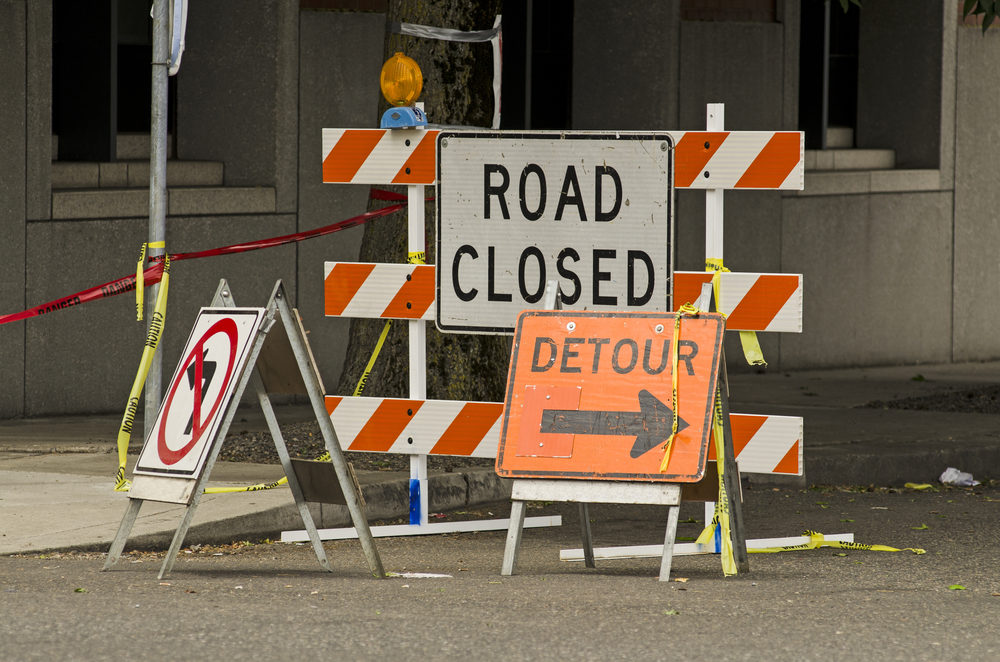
{"points": [[401, 82]]}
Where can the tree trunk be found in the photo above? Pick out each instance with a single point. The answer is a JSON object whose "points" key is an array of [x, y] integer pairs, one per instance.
{"points": [[457, 91]]}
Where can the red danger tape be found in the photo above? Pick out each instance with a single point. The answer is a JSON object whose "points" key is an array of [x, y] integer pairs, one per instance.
{"points": [[153, 273], [392, 196]]}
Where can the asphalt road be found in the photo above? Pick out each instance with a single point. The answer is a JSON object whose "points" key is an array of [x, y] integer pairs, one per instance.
{"points": [[272, 600]]}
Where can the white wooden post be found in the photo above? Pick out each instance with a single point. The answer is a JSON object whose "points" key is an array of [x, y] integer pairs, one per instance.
{"points": [[418, 351], [715, 120], [418, 357]]}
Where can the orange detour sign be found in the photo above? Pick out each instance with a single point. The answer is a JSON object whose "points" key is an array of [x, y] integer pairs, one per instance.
{"points": [[589, 395]]}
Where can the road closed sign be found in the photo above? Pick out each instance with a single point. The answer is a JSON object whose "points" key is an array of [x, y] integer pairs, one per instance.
{"points": [[194, 404], [591, 211], [590, 396]]}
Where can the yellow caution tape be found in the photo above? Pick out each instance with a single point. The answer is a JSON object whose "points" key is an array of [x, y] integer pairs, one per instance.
{"points": [[371, 362], [721, 518], [816, 540], [152, 340], [249, 488], [686, 309], [140, 281], [748, 339]]}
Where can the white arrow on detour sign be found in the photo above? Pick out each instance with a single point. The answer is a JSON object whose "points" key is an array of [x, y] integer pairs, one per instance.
{"points": [[199, 393]]}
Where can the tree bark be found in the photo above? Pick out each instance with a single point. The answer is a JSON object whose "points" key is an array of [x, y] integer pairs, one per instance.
{"points": [[457, 91]]}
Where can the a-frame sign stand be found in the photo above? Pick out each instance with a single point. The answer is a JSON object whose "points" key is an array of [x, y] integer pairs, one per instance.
{"points": [[258, 345], [549, 474]]}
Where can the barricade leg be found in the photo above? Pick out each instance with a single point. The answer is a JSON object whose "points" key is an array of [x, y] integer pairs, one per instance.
{"points": [[180, 533], [514, 531], [286, 464], [128, 521], [731, 479], [588, 539], [668, 543]]}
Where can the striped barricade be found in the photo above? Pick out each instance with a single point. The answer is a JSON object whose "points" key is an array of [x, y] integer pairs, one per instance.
{"points": [[758, 302], [771, 160], [378, 156], [739, 160], [390, 291], [763, 444], [751, 302], [702, 159], [416, 427], [766, 444]]}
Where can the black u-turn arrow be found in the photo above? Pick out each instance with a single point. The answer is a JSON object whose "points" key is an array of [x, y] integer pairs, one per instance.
{"points": [[650, 426]]}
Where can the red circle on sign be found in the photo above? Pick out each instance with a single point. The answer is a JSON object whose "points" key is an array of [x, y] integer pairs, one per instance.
{"points": [[227, 326]]}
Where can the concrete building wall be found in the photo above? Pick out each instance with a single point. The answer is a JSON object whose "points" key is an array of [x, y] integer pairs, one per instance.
{"points": [[84, 359], [977, 197], [877, 278], [890, 277], [340, 59], [38, 120], [13, 204], [899, 80], [626, 64], [738, 64], [232, 87]]}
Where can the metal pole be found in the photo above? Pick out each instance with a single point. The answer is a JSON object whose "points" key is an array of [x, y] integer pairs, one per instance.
{"points": [[157, 185]]}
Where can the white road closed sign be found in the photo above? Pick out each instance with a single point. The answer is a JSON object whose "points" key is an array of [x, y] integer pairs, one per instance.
{"points": [[194, 404], [592, 211]]}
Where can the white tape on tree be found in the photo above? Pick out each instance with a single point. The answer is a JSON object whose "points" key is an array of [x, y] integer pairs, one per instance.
{"points": [[493, 36]]}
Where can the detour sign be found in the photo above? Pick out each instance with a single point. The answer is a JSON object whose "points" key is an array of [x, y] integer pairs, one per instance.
{"points": [[589, 396]]}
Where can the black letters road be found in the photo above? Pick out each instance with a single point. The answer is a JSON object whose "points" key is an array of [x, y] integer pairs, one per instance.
{"points": [[272, 601]]}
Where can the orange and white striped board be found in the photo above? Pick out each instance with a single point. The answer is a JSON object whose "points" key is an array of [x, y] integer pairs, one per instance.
{"points": [[416, 427], [378, 156], [750, 301], [739, 159], [766, 444], [368, 290], [702, 159]]}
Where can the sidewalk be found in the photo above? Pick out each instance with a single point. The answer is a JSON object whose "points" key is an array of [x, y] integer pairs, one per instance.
{"points": [[56, 473], [846, 445]]}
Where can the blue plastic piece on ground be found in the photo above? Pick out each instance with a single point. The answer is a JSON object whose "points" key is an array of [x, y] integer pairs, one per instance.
{"points": [[403, 117]]}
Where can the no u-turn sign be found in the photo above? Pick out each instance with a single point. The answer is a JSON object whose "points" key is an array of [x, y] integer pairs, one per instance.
{"points": [[213, 360], [592, 211]]}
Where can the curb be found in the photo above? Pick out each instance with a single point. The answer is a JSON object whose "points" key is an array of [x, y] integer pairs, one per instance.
{"points": [[385, 500]]}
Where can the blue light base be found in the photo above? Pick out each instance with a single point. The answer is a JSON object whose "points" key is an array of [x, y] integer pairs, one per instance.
{"points": [[403, 117]]}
